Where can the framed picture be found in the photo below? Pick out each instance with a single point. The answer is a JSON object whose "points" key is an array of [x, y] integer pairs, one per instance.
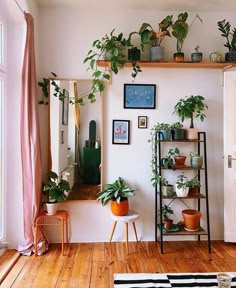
{"points": [[120, 131], [142, 122], [139, 96], [65, 108]]}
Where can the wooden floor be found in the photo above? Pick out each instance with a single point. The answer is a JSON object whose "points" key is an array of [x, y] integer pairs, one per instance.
{"points": [[92, 265]]}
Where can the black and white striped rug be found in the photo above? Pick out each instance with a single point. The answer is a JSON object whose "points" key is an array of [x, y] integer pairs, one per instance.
{"points": [[181, 280]]}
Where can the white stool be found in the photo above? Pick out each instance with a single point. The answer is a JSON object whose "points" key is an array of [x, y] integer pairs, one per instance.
{"points": [[130, 217]]}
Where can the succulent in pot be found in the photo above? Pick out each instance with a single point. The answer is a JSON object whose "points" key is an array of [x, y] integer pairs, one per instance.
{"points": [[154, 39], [224, 27], [118, 193]]}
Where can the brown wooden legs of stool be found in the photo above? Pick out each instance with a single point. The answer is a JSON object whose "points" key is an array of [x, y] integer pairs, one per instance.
{"points": [[126, 233]]}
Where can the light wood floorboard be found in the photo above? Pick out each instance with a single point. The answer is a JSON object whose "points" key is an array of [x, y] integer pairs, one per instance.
{"points": [[92, 265]]}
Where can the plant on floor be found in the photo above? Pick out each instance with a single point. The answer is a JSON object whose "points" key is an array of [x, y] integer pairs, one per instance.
{"points": [[111, 47], [190, 107]]}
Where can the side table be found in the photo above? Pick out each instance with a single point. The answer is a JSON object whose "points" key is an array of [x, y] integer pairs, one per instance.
{"points": [[44, 219]]}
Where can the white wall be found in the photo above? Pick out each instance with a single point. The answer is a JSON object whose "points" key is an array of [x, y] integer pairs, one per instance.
{"points": [[74, 30]]}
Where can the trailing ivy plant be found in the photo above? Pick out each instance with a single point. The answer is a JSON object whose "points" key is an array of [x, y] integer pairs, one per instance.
{"points": [[59, 92], [111, 47]]}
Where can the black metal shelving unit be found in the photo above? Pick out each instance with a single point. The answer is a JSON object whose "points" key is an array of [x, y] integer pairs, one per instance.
{"points": [[201, 149]]}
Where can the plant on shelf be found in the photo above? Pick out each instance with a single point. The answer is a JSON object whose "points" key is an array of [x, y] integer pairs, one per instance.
{"points": [[177, 131], [180, 30], [154, 39], [164, 130], [182, 185], [194, 185], [196, 160], [191, 107], [166, 211], [230, 36], [118, 193], [56, 189], [177, 156], [111, 47]]}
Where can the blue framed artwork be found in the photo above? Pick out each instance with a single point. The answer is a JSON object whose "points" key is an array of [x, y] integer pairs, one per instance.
{"points": [[139, 96], [120, 131]]}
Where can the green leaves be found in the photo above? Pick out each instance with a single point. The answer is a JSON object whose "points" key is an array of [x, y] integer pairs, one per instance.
{"points": [[224, 27], [190, 106], [116, 191]]}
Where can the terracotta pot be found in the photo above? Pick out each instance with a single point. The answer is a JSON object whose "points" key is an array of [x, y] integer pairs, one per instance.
{"points": [[179, 161], [194, 190], [120, 209], [191, 134], [191, 219], [179, 57], [168, 224]]}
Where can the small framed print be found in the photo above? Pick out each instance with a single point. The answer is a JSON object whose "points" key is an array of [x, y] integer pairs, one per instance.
{"points": [[120, 131], [139, 96], [142, 122]]}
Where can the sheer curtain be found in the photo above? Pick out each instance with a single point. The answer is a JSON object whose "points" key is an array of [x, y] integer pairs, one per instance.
{"points": [[30, 145]]}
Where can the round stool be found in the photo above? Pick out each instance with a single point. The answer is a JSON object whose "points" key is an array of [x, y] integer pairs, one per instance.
{"points": [[130, 217]]}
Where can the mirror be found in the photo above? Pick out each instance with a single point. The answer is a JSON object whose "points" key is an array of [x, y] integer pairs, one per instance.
{"points": [[76, 138]]}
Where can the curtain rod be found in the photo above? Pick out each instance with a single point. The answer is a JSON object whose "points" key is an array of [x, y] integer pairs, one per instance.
{"points": [[23, 12]]}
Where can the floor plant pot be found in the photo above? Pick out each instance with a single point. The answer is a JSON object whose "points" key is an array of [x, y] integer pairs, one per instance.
{"points": [[120, 209], [167, 190], [52, 208], [157, 53], [181, 192], [178, 134], [179, 57], [191, 219], [191, 134]]}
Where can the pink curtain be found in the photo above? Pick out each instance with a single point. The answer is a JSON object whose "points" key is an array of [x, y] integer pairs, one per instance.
{"points": [[30, 144]]}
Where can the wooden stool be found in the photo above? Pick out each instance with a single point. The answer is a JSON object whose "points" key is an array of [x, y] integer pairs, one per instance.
{"points": [[60, 218], [130, 217]]}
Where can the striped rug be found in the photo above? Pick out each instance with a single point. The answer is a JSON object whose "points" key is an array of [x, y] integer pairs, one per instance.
{"points": [[182, 280]]}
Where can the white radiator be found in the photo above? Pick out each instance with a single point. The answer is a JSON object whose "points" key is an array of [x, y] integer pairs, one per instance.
{"points": [[69, 175]]}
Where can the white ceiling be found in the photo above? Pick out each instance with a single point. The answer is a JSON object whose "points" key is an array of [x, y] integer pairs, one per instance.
{"points": [[161, 5]]}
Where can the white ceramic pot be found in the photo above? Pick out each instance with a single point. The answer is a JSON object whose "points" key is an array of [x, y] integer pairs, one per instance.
{"points": [[52, 208], [181, 192]]}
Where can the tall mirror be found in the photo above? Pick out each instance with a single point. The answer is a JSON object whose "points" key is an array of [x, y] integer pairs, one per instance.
{"points": [[76, 138]]}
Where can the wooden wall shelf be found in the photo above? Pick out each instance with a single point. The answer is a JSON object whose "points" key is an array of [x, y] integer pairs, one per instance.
{"points": [[152, 64]]}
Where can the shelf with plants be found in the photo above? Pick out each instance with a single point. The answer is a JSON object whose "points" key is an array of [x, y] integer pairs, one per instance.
{"points": [[172, 64], [200, 175]]}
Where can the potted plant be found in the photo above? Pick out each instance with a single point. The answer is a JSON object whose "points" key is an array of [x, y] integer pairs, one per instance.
{"points": [[179, 159], [182, 186], [154, 39], [191, 219], [190, 107], [230, 36], [111, 47], [177, 131], [180, 29], [166, 188], [164, 130], [166, 211], [118, 193], [57, 190], [196, 56], [194, 186]]}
